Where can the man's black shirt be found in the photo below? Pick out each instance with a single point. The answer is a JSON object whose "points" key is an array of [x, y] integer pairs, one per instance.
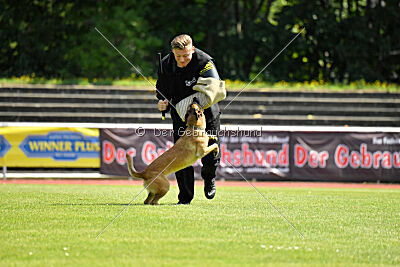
{"points": [[175, 84]]}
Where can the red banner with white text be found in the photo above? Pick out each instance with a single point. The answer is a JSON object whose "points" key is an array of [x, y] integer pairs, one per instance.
{"points": [[268, 155], [346, 156]]}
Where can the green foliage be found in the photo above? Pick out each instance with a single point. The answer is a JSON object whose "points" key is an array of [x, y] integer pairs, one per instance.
{"points": [[90, 55], [342, 41], [56, 225], [58, 38]]}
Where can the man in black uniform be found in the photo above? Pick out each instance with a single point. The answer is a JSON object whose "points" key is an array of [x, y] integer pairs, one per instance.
{"points": [[180, 70]]}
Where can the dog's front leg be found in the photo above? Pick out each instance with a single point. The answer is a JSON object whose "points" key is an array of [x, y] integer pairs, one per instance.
{"points": [[213, 137], [211, 148]]}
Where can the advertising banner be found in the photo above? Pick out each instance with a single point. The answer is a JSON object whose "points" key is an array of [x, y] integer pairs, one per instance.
{"points": [[143, 145], [49, 147], [269, 155], [253, 153], [346, 156]]}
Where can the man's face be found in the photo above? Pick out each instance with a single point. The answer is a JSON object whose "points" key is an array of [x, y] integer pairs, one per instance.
{"points": [[183, 56]]}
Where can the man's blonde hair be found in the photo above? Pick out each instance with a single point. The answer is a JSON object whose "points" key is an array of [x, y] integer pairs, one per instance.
{"points": [[181, 42]]}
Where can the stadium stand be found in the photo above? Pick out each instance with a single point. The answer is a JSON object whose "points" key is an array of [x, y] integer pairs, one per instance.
{"points": [[105, 104]]}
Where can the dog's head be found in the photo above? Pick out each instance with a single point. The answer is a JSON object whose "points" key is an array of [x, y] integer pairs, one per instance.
{"points": [[195, 114]]}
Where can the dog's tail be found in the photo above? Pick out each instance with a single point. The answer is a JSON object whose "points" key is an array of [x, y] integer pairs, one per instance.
{"points": [[131, 169]]}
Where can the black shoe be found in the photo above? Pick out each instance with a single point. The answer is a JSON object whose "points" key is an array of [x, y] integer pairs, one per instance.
{"points": [[209, 188]]}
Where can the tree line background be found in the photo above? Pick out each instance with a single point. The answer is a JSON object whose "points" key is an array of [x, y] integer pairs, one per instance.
{"points": [[342, 41]]}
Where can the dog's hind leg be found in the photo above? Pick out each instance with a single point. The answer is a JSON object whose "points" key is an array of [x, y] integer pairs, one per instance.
{"points": [[149, 198], [157, 197], [162, 192]]}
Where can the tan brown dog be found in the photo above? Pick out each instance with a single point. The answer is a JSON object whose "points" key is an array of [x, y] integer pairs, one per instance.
{"points": [[190, 147]]}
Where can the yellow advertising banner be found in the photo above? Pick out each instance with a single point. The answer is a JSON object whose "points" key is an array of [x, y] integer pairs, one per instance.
{"points": [[49, 147]]}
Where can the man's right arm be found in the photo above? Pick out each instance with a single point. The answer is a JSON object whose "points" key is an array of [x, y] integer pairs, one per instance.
{"points": [[161, 93]]}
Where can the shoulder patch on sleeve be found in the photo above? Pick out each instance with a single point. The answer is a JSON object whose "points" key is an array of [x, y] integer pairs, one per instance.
{"points": [[207, 67]]}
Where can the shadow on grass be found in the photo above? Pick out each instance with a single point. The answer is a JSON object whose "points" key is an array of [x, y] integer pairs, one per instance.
{"points": [[110, 204]]}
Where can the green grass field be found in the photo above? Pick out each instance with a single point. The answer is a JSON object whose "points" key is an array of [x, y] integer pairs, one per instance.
{"points": [[53, 225]]}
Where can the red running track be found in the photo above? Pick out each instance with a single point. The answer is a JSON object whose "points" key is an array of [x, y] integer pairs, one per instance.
{"points": [[219, 183]]}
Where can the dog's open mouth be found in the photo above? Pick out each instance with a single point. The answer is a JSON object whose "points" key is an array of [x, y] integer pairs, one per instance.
{"points": [[192, 111]]}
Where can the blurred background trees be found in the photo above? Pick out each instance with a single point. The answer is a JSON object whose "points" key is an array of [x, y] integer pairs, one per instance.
{"points": [[343, 40]]}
